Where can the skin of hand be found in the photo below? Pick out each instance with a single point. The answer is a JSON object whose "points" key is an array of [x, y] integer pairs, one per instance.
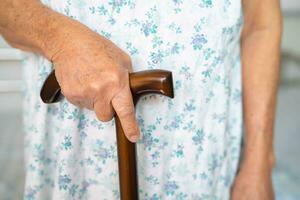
{"points": [[91, 70], [94, 73], [260, 43]]}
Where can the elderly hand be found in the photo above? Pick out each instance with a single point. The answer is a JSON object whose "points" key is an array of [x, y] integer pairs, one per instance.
{"points": [[94, 73]]}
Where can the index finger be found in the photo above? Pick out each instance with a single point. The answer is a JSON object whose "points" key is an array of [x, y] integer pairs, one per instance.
{"points": [[124, 108]]}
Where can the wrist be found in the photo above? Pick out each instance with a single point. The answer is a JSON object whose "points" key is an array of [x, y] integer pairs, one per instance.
{"points": [[258, 162], [258, 153], [53, 34], [55, 31]]}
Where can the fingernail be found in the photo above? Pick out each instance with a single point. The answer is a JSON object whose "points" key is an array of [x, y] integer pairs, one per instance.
{"points": [[134, 138]]}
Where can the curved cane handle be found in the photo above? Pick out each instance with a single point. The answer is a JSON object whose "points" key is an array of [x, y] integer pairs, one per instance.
{"points": [[141, 83]]}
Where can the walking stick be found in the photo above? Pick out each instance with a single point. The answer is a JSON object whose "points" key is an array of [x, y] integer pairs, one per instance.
{"points": [[141, 83]]}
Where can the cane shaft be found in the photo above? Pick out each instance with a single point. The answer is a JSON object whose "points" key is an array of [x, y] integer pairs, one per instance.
{"points": [[127, 165], [141, 83]]}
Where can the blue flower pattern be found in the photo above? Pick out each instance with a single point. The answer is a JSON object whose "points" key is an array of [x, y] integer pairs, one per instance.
{"points": [[190, 145]]}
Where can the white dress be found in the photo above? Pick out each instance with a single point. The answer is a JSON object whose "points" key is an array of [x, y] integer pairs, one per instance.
{"points": [[190, 145]]}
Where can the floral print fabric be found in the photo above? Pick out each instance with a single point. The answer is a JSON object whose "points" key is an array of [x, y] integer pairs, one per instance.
{"points": [[190, 145]]}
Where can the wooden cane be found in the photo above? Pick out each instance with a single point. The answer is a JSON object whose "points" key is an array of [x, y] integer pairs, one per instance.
{"points": [[141, 83]]}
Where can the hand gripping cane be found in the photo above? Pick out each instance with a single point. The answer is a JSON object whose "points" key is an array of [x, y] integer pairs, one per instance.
{"points": [[141, 83]]}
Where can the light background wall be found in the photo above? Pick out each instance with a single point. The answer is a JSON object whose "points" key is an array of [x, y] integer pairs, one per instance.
{"points": [[290, 5], [11, 134]]}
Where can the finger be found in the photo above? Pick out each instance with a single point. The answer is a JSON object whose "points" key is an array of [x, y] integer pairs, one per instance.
{"points": [[124, 108], [70, 98], [89, 97], [87, 103], [104, 110], [74, 97]]}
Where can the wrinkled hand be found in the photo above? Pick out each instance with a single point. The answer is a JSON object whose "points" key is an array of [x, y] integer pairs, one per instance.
{"points": [[250, 185], [93, 73]]}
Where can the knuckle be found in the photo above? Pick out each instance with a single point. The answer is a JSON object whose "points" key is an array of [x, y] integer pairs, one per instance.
{"points": [[92, 88], [114, 79], [107, 80], [113, 83]]}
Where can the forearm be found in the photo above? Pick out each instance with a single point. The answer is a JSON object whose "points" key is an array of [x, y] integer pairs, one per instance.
{"points": [[31, 26], [260, 61]]}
